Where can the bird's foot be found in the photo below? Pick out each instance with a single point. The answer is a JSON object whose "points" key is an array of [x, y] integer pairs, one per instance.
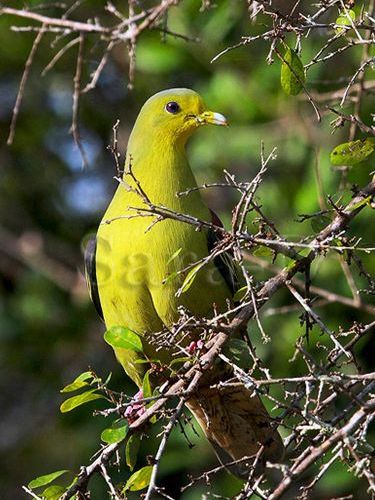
{"points": [[136, 409]]}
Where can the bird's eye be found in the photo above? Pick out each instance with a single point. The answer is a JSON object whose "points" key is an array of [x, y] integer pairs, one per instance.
{"points": [[172, 107]]}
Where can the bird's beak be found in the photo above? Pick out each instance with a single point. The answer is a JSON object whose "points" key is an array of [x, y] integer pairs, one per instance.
{"points": [[211, 117]]}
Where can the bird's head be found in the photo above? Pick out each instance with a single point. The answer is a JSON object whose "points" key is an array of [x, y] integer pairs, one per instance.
{"points": [[174, 114]]}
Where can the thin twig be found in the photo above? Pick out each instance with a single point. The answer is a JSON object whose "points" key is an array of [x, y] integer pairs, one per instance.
{"points": [[76, 93], [317, 319], [22, 85], [355, 421], [166, 433]]}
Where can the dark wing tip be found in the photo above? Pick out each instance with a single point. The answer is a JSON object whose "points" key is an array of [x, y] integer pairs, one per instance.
{"points": [[224, 261], [90, 271]]}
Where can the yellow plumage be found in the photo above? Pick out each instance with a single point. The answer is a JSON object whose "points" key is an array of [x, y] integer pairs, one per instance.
{"points": [[133, 255]]}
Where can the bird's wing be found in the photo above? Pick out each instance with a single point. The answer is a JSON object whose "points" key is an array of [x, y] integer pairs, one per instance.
{"points": [[223, 262], [90, 272]]}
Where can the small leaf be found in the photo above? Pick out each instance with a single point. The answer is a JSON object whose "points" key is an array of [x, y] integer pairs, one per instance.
{"points": [[237, 351], [170, 277], [53, 492], [142, 361], [119, 336], [116, 433], [147, 393], [146, 386], [79, 382], [343, 19], [155, 394], [303, 252], [46, 479], [319, 222], [174, 255], [131, 450], [292, 73], [139, 480], [107, 380], [79, 400], [190, 277], [182, 359], [351, 153], [263, 251], [74, 480], [240, 294], [365, 201]]}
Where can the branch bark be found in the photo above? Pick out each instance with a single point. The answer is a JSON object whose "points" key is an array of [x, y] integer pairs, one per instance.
{"points": [[355, 421], [190, 379]]}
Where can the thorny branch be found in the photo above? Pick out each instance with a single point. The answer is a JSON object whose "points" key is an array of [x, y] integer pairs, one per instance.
{"points": [[123, 30], [317, 433], [112, 27], [21, 89], [340, 435], [223, 327]]}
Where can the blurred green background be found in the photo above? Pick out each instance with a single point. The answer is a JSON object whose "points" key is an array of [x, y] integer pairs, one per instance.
{"points": [[49, 331]]}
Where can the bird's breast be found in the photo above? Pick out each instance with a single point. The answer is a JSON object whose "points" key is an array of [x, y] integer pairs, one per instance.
{"points": [[142, 262]]}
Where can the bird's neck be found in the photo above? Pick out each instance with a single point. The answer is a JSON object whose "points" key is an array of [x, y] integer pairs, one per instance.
{"points": [[161, 168]]}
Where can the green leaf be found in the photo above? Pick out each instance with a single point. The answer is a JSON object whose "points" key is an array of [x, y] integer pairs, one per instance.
{"points": [[74, 480], [131, 450], [351, 153], [240, 294], [139, 480], [119, 336], [79, 382], [107, 380], [190, 277], [155, 393], [182, 359], [343, 19], [79, 400], [142, 361], [170, 277], [116, 433], [146, 386], [46, 479], [292, 73], [303, 252], [147, 393], [365, 201], [174, 255], [263, 251], [53, 492], [319, 222], [237, 351]]}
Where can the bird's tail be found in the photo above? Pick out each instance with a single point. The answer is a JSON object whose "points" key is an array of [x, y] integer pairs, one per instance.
{"points": [[238, 426]]}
